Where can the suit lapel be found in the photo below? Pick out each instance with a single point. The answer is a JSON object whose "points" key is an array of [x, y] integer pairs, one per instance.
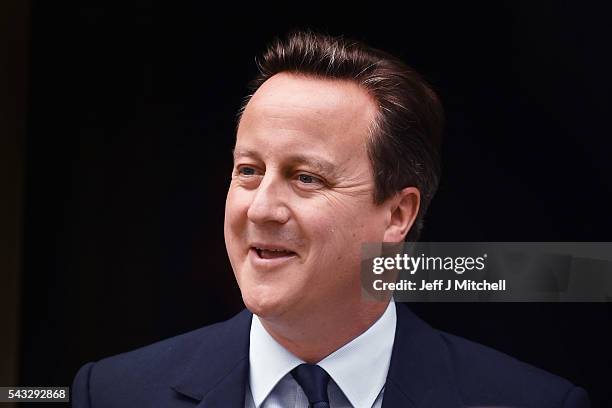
{"points": [[218, 372], [420, 372]]}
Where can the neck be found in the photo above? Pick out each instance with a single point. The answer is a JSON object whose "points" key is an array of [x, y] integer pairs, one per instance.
{"points": [[313, 337]]}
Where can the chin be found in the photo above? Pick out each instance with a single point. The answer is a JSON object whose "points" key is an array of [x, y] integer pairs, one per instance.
{"points": [[264, 305]]}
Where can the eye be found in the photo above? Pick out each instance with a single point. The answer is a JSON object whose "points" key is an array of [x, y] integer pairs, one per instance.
{"points": [[309, 181], [246, 171]]}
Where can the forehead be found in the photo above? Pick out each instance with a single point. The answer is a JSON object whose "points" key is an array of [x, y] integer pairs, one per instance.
{"points": [[307, 92], [306, 111]]}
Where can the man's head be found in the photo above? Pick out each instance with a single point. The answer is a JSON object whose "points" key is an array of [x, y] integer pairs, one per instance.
{"points": [[337, 146]]}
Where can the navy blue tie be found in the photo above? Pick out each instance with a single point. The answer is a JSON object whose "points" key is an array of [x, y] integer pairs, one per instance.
{"points": [[313, 380]]}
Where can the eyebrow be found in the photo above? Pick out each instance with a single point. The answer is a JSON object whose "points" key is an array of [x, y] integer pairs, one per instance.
{"points": [[316, 163]]}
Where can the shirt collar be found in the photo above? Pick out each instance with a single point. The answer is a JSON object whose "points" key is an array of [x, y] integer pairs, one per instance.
{"points": [[268, 362], [368, 353]]}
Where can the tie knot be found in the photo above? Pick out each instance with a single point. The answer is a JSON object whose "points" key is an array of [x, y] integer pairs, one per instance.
{"points": [[313, 380]]}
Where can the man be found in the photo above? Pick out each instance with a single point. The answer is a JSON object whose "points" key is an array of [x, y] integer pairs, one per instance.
{"points": [[337, 146]]}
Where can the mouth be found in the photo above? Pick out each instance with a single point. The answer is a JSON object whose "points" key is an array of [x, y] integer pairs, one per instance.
{"points": [[268, 256], [272, 253]]}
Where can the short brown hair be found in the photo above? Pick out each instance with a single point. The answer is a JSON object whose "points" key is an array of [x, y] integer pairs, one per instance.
{"points": [[404, 146]]}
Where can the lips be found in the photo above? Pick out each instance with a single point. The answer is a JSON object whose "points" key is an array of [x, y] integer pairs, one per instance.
{"points": [[266, 251]]}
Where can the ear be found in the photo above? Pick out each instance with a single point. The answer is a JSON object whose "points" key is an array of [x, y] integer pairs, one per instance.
{"points": [[403, 210]]}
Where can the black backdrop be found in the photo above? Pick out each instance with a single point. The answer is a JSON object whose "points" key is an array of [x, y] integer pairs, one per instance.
{"points": [[130, 128]]}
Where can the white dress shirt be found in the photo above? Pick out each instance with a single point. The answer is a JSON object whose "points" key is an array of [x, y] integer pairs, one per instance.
{"points": [[358, 370]]}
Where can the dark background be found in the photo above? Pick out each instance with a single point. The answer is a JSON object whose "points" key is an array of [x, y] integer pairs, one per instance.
{"points": [[130, 120]]}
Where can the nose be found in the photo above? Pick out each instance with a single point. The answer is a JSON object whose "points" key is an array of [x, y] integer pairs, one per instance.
{"points": [[269, 203]]}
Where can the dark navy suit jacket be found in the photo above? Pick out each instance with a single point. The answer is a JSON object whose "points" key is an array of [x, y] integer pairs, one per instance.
{"points": [[209, 367]]}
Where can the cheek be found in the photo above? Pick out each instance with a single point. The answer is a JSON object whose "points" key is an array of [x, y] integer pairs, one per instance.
{"points": [[339, 231], [349, 220], [236, 206]]}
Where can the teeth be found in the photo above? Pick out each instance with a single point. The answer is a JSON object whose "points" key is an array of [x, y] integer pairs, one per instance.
{"points": [[272, 250]]}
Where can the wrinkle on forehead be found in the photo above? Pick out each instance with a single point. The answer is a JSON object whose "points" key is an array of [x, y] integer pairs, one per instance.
{"points": [[293, 117]]}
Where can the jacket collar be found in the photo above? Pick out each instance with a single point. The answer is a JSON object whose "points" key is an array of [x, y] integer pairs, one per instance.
{"points": [[419, 375], [218, 372]]}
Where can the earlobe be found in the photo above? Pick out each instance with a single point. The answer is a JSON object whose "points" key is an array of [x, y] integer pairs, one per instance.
{"points": [[403, 212]]}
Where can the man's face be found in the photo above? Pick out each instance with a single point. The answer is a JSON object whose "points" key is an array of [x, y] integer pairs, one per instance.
{"points": [[300, 203]]}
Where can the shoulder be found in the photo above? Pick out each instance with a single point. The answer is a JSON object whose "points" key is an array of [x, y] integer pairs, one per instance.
{"points": [[459, 371], [150, 371], [494, 376], [165, 357]]}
